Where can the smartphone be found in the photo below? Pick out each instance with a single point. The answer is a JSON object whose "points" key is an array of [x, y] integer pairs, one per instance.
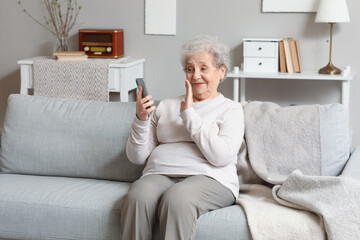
{"points": [[140, 82]]}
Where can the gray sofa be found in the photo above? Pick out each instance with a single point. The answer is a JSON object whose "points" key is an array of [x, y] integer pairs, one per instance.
{"points": [[64, 171]]}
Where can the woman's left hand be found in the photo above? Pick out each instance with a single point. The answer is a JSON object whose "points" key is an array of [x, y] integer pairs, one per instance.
{"points": [[188, 103]]}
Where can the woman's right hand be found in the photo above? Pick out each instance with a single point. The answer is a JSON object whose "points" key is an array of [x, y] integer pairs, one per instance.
{"points": [[143, 106]]}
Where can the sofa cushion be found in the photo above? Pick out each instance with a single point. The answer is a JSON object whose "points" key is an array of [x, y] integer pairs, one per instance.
{"points": [[40, 207], [223, 224], [227, 223], [63, 137], [324, 131], [335, 138]]}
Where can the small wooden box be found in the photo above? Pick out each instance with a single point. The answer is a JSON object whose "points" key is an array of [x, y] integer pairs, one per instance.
{"points": [[102, 43]]}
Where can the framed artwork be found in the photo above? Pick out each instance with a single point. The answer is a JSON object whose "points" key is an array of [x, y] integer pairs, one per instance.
{"points": [[289, 5], [160, 17]]}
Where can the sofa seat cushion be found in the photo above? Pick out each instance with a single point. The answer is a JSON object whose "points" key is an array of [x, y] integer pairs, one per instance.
{"points": [[40, 207], [223, 224], [227, 223]]}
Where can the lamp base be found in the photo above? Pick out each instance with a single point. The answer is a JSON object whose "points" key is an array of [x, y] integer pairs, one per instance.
{"points": [[330, 69]]}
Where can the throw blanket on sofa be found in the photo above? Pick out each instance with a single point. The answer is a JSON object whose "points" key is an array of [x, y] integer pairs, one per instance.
{"points": [[82, 80], [267, 219], [272, 134], [335, 199], [305, 201]]}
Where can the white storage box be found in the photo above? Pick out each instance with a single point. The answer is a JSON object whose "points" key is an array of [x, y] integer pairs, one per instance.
{"points": [[261, 55]]}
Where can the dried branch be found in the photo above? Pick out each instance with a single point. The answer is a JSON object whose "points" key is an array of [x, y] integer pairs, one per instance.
{"points": [[74, 19], [57, 23], [38, 22], [67, 14]]}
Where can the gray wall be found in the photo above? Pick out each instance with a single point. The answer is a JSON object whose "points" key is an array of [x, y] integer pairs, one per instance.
{"points": [[233, 20]]}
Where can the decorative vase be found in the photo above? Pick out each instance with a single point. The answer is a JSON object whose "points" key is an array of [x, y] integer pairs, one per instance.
{"points": [[62, 43]]}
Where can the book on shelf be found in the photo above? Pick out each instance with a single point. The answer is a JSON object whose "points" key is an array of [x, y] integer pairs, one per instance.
{"points": [[282, 62], [298, 54], [294, 55], [70, 55], [288, 58], [289, 55]]}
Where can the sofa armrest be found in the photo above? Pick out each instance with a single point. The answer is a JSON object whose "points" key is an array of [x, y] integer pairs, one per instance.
{"points": [[352, 167]]}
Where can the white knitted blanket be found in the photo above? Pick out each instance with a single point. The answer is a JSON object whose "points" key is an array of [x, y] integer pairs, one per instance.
{"points": [[82, 80], [305, 205], [282, 139], [269, 220], [334, 199]]}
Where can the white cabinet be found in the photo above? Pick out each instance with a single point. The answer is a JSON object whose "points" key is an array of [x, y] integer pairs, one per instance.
{"points": [[122, 75], [261, 55]]}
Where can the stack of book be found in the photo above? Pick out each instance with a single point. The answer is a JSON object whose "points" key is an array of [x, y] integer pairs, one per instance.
{"points": [[70, 55], [289, 56]]}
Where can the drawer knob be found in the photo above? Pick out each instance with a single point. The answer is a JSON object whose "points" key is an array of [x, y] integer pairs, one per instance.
{"points": [[259, 48], [260, 63]]}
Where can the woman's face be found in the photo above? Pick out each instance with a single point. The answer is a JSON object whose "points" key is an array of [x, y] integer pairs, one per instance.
{"points": [[204, 76]]}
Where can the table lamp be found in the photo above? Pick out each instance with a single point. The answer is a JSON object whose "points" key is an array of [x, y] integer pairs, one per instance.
{"points": [[332, 11]]}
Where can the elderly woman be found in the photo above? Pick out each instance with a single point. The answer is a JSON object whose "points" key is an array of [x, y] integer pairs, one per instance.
{"points": [[189, 146]]}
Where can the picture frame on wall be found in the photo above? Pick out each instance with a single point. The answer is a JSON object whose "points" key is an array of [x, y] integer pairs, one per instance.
{"points": [[289, 6], [160, 17]]}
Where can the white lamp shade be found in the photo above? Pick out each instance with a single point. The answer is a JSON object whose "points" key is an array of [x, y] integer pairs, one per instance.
{"points": [[332, 11]]}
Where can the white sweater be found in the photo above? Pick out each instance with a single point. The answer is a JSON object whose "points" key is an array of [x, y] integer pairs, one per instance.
{"points": [[203, 140]]}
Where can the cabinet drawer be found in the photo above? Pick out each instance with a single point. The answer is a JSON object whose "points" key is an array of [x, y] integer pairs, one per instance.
{"points": [[260, 49], [261, 64]]}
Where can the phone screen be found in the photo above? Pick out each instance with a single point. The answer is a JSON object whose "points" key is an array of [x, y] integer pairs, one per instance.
{"points": [[140, 82]]}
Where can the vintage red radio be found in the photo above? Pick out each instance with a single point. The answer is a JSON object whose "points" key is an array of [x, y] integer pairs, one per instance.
{"points": [[102, 43]]}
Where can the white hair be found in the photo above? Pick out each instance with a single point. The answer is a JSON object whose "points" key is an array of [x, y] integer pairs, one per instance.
{"points": [[205, 43]]}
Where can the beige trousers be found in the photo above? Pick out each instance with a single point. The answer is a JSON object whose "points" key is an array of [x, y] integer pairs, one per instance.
{"points": [[176, 203]]}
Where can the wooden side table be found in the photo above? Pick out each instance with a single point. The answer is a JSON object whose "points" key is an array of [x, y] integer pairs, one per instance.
{"points": [[345, 79], [122, 76]]}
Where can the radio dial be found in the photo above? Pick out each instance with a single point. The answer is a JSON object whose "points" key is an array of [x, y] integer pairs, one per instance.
{"points": [[86, 48], [108, 49]]}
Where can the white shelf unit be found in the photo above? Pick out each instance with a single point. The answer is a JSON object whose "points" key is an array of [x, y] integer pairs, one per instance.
{"points": [[239, 81]]}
